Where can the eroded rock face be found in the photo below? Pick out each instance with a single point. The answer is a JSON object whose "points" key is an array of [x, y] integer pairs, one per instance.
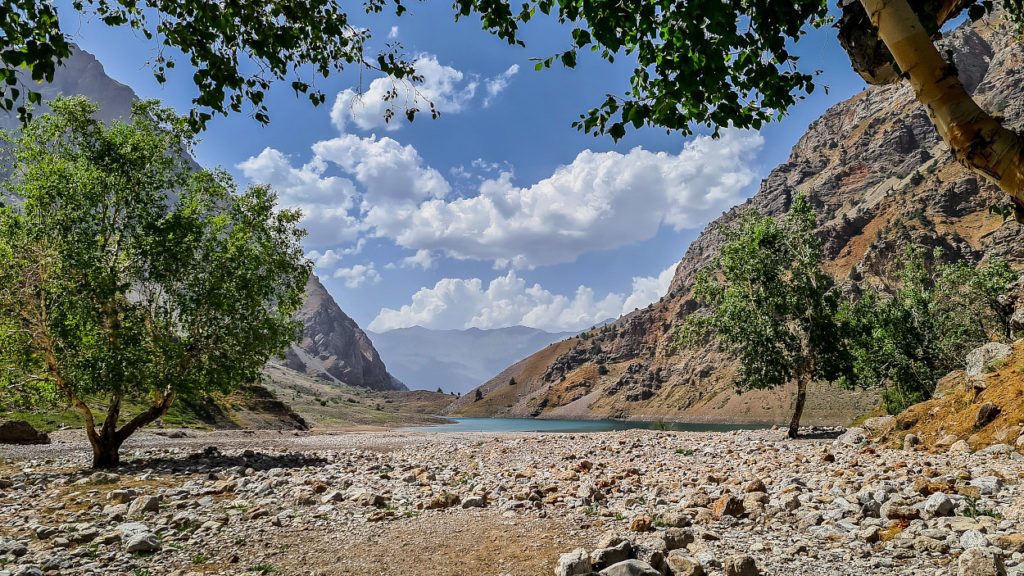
{"points": [[334, 347]]}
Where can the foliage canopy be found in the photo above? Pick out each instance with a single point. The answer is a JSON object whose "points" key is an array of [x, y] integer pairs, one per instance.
{"points": [[768, 301], [125, 273]]}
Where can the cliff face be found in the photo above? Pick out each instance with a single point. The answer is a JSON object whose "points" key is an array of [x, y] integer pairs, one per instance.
{"points": [[879, 177], [334, 347]]}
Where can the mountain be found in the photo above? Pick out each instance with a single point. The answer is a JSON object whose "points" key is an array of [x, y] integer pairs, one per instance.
{"points": [[334, 347], [458, 360], [879, 177]]}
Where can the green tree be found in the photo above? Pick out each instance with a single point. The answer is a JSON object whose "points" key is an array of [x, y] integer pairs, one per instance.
{"points": [[124, 274], [511, 381], [906, 340], [478, 396], [767, 300]]}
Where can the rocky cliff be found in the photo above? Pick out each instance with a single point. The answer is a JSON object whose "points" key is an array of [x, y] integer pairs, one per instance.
{"points": [[334, 347], [879, 177]]}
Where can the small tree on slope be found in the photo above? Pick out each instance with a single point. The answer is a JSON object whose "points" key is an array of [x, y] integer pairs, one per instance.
{"points": [[124, 274], [767, 300]]}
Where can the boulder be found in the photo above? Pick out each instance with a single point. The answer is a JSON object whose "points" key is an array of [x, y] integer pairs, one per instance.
{"points": [[630, 568], [683, 565], [573, 563], [21, 432], [986, 413], [979, 562], [740, 565], [606, 557], [981, 359]]}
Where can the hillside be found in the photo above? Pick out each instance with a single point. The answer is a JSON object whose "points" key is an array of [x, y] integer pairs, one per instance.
{"points": [[457, 360], [880, 178]]}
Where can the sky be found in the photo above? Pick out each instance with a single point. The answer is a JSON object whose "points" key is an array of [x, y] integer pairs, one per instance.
{"points": [[498, 213]]}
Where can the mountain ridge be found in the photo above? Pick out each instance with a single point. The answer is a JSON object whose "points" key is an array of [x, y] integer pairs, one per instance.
{"points": [[879, 177]]}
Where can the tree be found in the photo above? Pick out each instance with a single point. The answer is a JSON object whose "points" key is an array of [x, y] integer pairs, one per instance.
{"points": [[729, 63], [904, 341], [237, 49], [511, 381], [478, 396], [767, 300], [126, 275]]}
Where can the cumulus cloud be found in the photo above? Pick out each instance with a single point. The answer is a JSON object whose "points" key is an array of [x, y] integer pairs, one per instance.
{"points": [[447, 88], [358, 275], [647, 289], [600, 201], [499, 83], [422, 259], [326, 202], [393, 33], [328, 259], [455, 303]]}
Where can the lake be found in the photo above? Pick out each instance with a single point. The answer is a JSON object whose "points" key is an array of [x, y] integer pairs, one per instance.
{"points": [[535, 425]]}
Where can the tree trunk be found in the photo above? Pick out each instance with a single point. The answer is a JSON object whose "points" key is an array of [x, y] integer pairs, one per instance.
{"points": [[106, 450], [798, 411], [977, 140]]}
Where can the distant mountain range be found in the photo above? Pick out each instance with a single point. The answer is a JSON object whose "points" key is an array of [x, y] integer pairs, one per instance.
{"points": [[458, 360], [334, 348]]}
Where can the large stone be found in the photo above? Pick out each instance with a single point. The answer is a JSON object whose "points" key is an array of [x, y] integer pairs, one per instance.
{"points": [[727, 505], [879, 423], [143, 505], [740, 565], [1009, 542], [605, 557], [683, 565], [630, 568], [573, 563], [21, 432], [973, 539], [982, 358], [986, 413], [979, 562], [938, 504]]}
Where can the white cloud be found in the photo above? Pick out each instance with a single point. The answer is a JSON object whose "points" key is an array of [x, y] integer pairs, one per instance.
{"points": [[647, 289], [499, 83], [393, 33], [329, 259], [357, 275], [326, 202], [447, 88], [423, 259], [601, 201], [455, 303]]}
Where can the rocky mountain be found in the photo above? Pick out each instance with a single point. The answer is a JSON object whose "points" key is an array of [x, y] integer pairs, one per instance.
{"points": [[457, 360], [879, 177], [334, 347]]}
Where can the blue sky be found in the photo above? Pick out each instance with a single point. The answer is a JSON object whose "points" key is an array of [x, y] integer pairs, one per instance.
{"points": [[499, 212]]}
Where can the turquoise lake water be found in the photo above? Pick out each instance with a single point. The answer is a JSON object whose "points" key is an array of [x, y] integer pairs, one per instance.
{"points": [[533, 425]]}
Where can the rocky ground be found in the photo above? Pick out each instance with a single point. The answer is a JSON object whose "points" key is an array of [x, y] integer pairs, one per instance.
{"points": [[510, 504]]}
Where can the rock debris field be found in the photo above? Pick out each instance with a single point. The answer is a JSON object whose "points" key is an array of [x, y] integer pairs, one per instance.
{"points": [[617, 503]]}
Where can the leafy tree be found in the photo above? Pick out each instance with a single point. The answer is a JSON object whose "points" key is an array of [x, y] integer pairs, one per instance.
{"points": [[237, 49], [124, 274], [767, 300], [511, 381], [730, 63], [904, 342], [478, 396]]}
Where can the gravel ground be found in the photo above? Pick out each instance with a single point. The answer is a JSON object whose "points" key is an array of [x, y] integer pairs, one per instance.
{"points": [[508, 504]]}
